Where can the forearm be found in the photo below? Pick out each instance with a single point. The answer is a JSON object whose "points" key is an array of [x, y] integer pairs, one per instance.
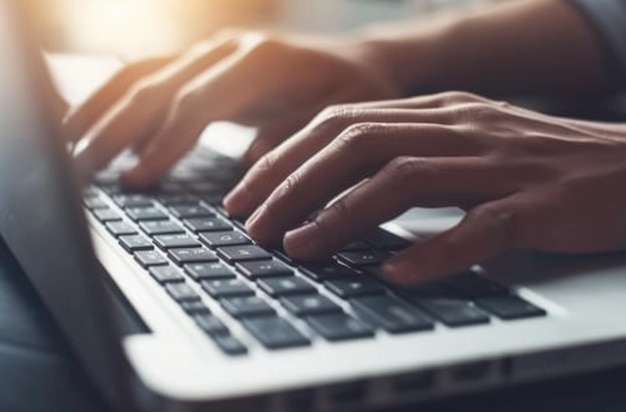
{"points": [[530, 46]]}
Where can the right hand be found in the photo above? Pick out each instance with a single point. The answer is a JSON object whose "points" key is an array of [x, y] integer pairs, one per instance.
{"points": [[159, 107]]}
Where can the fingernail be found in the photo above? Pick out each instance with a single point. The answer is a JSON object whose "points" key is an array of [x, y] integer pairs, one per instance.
{"points": [[255, 218], [237, 200], [302, 241]]}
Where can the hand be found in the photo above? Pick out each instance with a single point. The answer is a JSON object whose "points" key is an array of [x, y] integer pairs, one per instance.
{"points": [[528, 181], [161, 106]]}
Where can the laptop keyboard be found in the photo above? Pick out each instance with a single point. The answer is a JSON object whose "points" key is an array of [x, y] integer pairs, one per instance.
{"points": [[187, 243]]}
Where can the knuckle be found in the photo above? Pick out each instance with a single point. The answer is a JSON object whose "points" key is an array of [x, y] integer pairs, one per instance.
{"points": [[456, 97], [263, 46], [404, 170], [266, 163], [187, 100], [476, 111], [360, 136], [504, 218], [143, 92]]}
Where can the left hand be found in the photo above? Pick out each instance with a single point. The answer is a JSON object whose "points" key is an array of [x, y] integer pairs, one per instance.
{"points": [[527, 180]]}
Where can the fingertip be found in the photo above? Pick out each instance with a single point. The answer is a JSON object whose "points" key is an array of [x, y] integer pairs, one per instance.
{"points": [[303, 242], [238, 201]]}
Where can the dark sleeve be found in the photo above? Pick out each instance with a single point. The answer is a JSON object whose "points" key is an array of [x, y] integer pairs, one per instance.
{"points": [[608, 17]]}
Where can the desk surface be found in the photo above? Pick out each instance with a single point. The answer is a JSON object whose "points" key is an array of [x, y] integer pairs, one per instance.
{"points": [[37, 372]]}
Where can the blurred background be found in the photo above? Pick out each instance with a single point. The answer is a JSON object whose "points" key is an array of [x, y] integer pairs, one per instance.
{"points": [[136, 28]]}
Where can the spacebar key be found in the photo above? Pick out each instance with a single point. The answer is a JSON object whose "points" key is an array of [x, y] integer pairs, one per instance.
{"points": [[394, 315], [275, 332]]}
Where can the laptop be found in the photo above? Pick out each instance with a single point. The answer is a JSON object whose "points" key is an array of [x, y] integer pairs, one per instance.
{"points": [[169, 305]]}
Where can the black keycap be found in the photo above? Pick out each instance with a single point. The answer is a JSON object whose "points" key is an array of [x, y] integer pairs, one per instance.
{"points": [[347, 288], [243, 253], [263, 268], [106, 215], [133, 201], [325, 271], [161, 227], [202, 271], [176, 241], [454, 312], [382, 239], [149, 213], [433, 290], [187, 212], [134, 243], [120, 229], [150, 258], [227, 288], [473, 286], [179, 199], [195, 255], [165, 274], [194, 307], [181, 291], [95, 203], [510, 307], [246, 307], [211, 325], [392, 314], [275, 332], [356, 246], [220, 239], [210, 224], [339, 326], [309, 305], [286, 286], [230, 345], [363, 257]]}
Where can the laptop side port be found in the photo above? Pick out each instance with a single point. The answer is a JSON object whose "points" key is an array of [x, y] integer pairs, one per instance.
{"points": [[471, 372], [347, 394], [414, 382], [302, 400]]}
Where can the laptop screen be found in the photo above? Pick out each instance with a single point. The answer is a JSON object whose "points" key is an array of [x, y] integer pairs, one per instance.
{"points": [[40, 215]]}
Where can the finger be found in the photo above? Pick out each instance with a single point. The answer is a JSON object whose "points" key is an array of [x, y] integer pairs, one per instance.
{"points": [[355, 155], [486, 232], [274, 168], [404, 183], [80, 119], [429, 101], [143, 108], [269, 136]]}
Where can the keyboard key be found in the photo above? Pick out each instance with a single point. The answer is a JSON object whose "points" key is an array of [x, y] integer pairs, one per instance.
{"points": [[227, 288], [194, 307], [382, 239], [286, 286], [392, 314], [357, 245], [275, 332], [363, 257], [202, 271], [212, 224], [243, 253], [165, 274], [150, 258], [181, 291], [433, 290], [161, 227], [454, 312], [134, 243], [337, 327], [176, 241], [149, 213], [134, 200], [196, 255], [310, 305], [347, 288], [473, 286], [324, 271], [178, 199], [95, 203], [211, 325], [120, 229], [510, 307], [186, 212], [220, 239], [230, 345], [106, 215], [263, 268], [245, 307]]}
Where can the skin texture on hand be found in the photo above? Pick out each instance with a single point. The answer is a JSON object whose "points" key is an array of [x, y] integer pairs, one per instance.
{"points": [[159, 107], [527, 181]]}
